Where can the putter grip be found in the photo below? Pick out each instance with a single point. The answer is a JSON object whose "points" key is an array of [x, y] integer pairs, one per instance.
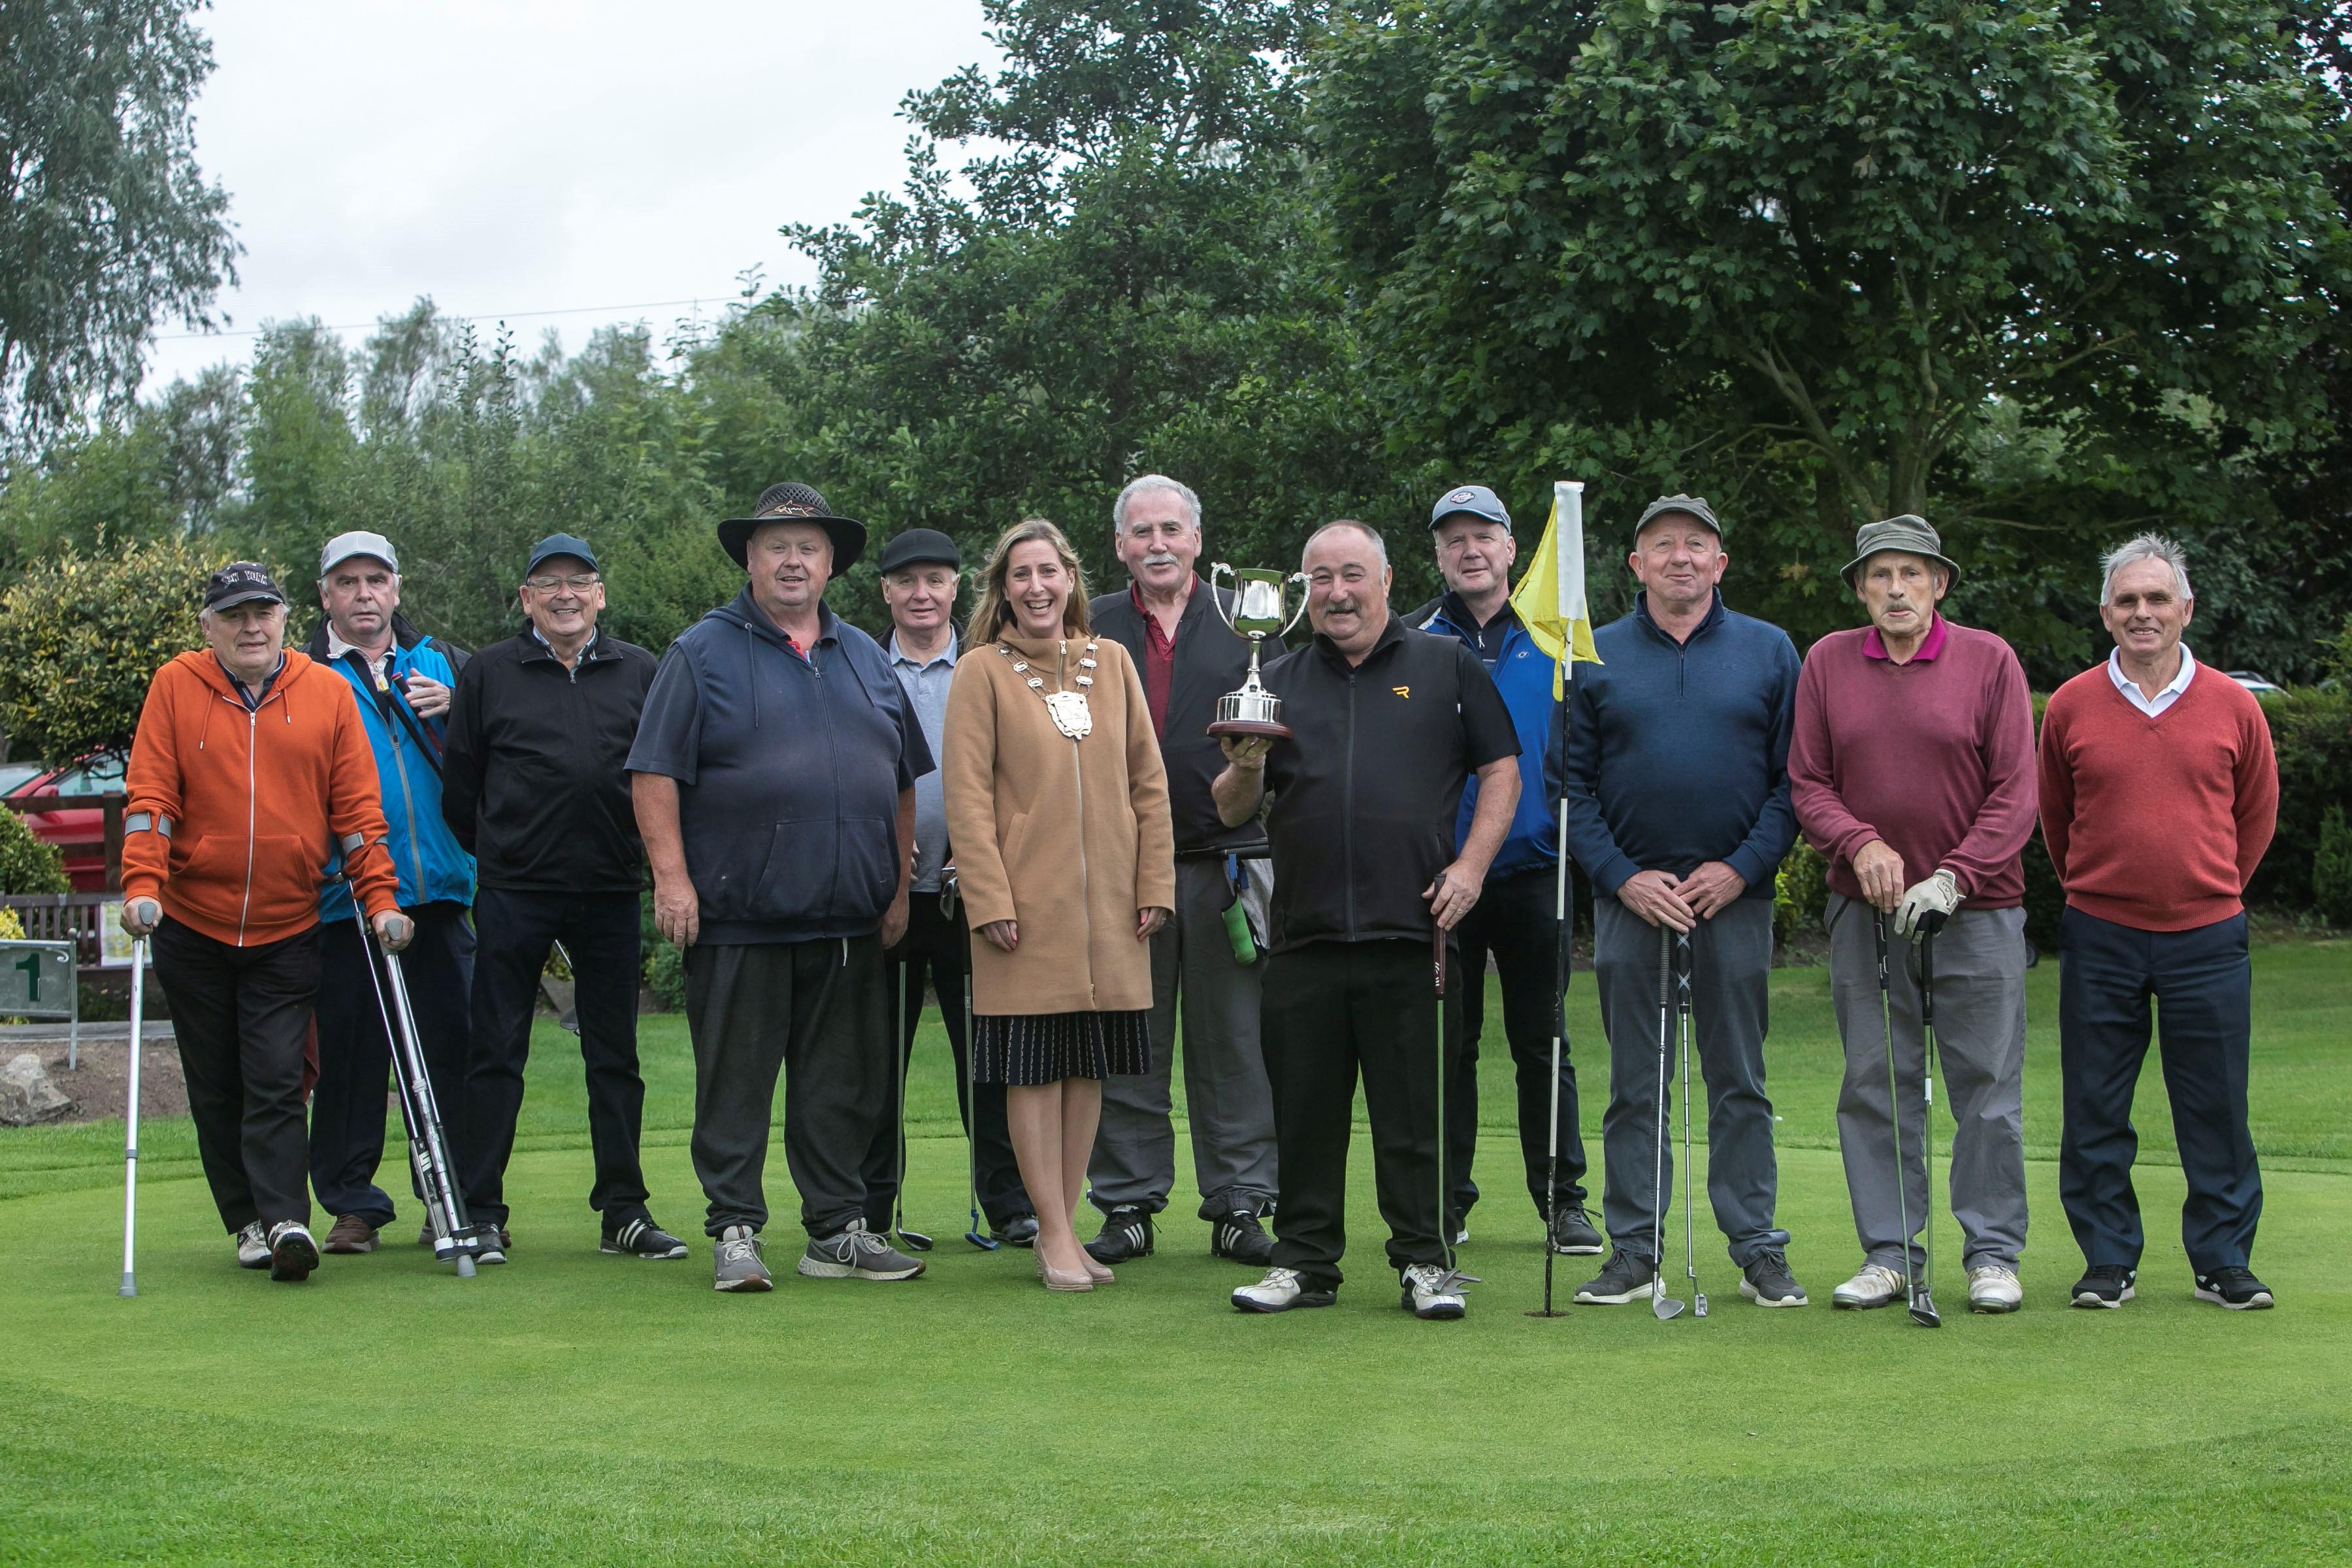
{"points": [[1437, 953]]}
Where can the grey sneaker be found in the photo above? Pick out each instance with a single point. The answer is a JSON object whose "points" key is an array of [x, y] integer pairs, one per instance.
{"points": [[1625, 1278], [856, 1253], [253, 1246], [1768, 1282], [735, 1262]]}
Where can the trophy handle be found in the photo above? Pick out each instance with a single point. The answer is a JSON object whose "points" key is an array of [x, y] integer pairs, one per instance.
{"points": [[1300, 578], [1217, 603]]}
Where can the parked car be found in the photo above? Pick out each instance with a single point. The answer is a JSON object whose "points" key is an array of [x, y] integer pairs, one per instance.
{"points": [[2257, 684], [78, 831]]}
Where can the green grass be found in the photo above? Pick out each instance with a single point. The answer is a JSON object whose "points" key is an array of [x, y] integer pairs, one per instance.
{"points": [[572, 1407]]}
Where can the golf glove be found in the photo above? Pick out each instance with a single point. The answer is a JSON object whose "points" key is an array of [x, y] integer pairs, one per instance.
{"points": [[1940, 893], [142, 916]]}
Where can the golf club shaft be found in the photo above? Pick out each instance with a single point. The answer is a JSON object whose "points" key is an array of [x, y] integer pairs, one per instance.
{"points": [[131, 1113], [975, 1236], [1445, 1220], [1683, 958], [1658, 1155], [1927, 1081]]}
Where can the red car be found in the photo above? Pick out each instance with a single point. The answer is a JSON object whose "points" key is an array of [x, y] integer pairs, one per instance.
{"points": [[78, 831]]}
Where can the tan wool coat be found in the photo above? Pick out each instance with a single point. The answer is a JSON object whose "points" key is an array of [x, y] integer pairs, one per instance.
{"points": [[1068, 838]]}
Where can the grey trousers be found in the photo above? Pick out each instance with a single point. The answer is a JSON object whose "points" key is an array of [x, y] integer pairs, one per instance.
{"points": [[1227, 1098], [1981, 1038], [1731, 963]]}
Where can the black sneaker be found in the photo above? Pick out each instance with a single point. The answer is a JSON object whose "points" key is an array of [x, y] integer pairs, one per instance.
{"points": [[2236, 1288], [1625, 1278], [641, 1237], [1573, 1233], [2104, 1285], [1021, 1230], [1768, 1283], [491, 1242], [1241, 1237], [1126, 1235]]}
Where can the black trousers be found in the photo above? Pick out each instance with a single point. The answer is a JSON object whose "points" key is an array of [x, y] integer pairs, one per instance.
{"points": [[934, 954], [242, 1017], [2202, 983], [1515, 921], [1331, 1010], [513, 934], [816, 1010], [346, 1113]]}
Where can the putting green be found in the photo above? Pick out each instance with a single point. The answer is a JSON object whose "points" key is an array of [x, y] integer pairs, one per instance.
{"points": [[582, 1408]]}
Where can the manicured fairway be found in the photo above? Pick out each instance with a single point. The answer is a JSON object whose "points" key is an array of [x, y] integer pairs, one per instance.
{"points": [[572, 1407]]}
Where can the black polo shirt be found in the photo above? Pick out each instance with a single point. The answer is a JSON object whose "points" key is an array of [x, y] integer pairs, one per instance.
{"points": [[1367, 788]]}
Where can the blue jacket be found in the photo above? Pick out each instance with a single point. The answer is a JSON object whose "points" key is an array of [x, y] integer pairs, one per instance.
{"points": [[1523, 674], [789, 771], [1678, 752], [433, 867]]}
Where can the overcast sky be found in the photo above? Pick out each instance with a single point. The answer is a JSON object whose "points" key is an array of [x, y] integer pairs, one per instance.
{"points": [[507, 156]]}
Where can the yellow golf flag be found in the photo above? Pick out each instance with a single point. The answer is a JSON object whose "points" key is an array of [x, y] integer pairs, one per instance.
{"points": [[1549, 600]]}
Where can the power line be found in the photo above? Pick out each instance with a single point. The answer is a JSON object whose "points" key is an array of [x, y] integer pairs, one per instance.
{"points": [[487, 316]]}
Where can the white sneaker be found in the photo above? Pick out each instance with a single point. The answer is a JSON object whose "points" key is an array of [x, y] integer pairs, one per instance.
{"points": [[1993, 1287], [1280, 1291], [1874, 1287], [253, 1246], [1433, 1291]]}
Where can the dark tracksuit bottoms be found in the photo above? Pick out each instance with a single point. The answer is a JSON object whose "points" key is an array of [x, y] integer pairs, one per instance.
{"points": [[2201, 981], [818, 1011], [242, 1017], [347, 1106], [514, 932], [934, 952], [1731, 965], [1331, 1010], [1515, 920]]}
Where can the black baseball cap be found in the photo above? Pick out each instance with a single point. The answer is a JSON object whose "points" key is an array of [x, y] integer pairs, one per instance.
{"points": [[921, 546], [241, 583], [559, 544]]}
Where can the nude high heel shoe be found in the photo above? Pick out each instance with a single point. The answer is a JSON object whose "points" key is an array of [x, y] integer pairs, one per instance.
{"points": [[1095, 1271], [1055, 1279]]}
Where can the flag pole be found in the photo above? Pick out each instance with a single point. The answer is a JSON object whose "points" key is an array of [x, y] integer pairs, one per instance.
{"points": [[1568, 502]]}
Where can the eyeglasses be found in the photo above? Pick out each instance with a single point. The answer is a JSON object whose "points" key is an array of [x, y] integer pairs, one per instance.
{"points": [[579, 582]]}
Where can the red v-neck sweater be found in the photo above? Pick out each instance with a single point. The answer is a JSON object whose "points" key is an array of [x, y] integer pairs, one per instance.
{"points": [[2156, 824]]}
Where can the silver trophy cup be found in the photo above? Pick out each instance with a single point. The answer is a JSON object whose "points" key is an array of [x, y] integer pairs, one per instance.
{"points": [[1257, 614]]}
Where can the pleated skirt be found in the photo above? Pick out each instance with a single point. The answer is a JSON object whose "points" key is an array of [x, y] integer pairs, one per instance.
{"points": [[1030, 1048]]}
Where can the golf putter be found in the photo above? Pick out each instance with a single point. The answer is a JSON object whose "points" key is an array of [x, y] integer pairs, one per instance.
{"points": [[977, 1236], [568, 1022], [1893, 1095], [1923, 1291], [904, 1050], [130, 1285], [1662, 1306], [1683, 1022], [1454, 1275]]}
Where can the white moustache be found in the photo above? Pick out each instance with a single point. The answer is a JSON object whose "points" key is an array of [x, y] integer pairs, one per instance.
{"points": [[1160, 560]]}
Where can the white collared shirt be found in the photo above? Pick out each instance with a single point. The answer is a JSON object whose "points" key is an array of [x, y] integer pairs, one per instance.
{"points": [[2151, 706], [337, 648]]}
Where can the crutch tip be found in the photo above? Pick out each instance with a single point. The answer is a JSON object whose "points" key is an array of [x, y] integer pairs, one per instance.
{"points": [[130, 1285], [465, 1266]]}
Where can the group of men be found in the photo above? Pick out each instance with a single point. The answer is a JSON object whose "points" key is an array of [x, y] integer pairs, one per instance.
{"points": [[774, 772]]}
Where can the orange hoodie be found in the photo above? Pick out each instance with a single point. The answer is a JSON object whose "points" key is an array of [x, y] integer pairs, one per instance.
{"points": [[257, 803]]}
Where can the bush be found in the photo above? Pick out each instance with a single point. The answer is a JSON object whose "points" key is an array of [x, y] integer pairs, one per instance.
{"points": [[2331, 869], [665, 966], [1800, 893], [81, 635], [27, 864], [2311, 729]]}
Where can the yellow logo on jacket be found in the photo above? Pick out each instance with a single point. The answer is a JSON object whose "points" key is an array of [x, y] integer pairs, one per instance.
{"points": [[1401, 690]]}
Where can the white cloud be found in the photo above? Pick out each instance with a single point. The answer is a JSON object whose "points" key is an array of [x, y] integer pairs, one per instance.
{"points": [[529, 155]]}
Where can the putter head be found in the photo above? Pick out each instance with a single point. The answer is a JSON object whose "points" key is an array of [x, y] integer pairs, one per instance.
{"points": [[914, 1240], [985, 1242], [1698, 1308], [1663, 1307], [570, 1022], [1923, 1310]]}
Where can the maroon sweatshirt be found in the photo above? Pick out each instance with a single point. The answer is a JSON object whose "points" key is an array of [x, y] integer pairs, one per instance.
{"points": [[1935, 756], [2156, 824]]}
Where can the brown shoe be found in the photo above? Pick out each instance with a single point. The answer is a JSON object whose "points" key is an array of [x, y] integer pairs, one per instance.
{"points": [[352, 1233]]}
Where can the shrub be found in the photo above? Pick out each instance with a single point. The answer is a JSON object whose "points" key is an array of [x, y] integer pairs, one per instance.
{"points": [[2331, 869], [1800, 893], [27, 864], [2311, 729], [81, 635]]}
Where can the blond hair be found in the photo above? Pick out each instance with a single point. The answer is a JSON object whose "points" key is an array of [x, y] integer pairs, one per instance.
{"points": [[994, 612]]}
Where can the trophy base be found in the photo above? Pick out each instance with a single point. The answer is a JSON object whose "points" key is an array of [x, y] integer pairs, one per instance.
{"points": [[1261, 727]]}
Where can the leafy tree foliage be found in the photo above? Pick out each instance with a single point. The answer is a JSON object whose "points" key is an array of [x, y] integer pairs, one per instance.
{"points": [[108, 227]]}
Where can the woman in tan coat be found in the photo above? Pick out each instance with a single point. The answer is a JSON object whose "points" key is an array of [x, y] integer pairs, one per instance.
{"points": [[1058, 809]]}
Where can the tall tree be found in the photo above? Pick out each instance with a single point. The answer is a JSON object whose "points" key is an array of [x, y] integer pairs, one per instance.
{"points": [[107, 227]]}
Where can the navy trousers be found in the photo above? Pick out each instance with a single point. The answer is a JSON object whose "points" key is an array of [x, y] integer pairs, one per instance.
{"points": [[2202, 983]]}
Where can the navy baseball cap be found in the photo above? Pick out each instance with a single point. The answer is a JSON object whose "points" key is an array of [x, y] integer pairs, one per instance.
{"points": [[241, 583], [921, 546], [1476, 499], [559, 544]]}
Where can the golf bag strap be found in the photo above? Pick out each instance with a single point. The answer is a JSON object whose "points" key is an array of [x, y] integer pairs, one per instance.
{"points": [[147, 822]]}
